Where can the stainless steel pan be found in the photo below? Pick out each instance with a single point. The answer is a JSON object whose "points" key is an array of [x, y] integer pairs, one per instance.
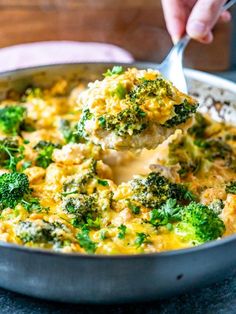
{"points": [[123, 278]]}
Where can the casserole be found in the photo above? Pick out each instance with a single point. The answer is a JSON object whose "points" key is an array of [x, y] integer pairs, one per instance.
{"points": [[87, 278]]}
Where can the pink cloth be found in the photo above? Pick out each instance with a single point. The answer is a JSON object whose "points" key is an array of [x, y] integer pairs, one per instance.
{"points": [[53, 52]]}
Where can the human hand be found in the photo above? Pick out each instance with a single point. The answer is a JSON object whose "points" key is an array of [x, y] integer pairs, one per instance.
{"points": [[194, 17]]}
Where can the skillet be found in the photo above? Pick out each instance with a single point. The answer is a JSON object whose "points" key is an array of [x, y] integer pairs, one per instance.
{"points": [[81, 278]]}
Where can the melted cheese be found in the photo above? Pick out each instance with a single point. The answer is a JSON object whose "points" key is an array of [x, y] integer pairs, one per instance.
{"points": [[70, 168]]}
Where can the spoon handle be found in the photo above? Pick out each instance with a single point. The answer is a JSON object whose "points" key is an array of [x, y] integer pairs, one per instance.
{"points": [[228, 5]]}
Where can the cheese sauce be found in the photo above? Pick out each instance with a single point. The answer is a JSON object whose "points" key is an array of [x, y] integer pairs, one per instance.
{"points": [[80, 197]]}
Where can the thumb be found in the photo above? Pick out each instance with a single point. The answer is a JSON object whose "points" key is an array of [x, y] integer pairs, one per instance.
{"points": [[203, 17]]}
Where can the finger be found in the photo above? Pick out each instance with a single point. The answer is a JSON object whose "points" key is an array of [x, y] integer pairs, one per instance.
{"points": [[225, 17], [175, 17], [203, 17], [207, 39]]}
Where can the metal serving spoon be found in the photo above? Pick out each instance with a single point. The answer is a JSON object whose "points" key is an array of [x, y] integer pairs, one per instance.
{"points": [[172, 66]]}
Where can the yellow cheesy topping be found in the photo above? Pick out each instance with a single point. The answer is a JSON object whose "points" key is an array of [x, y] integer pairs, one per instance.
{"points": [[132, 109], [59, 191]]}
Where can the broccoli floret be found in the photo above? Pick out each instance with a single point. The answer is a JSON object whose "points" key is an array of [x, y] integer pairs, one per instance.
{"points": [[181, 193], [150, 191], [199, 127], [217, 206], [231, 187], [43, 232], [77, 185], [10, 153], [134, 208], [68, 131], [199, 224], [210, 148], [145, 89], [11, 119], [45, 151], [195, 155], [154, 190], [214, 149], [80, 183], [78, 205], [13, 187], [182, 113], [184, 153], [83, 210], [35, 232], [129, 121], [194, 222]]}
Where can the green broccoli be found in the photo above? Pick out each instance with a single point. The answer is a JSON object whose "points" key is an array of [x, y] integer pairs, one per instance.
{"points": [[11, 119], [217, 206], [80, 183], [196, 155], [182, 113], [214, 148], [134, 208], [199, 127], [129, 121], [43, 232], [231, 187], [83, 210], [45, 151], [194, 222], [199, 224], [10, 153], [145, 89], [13, 187], [187, 155], [154, 190], [211, 148], [29, 231], [68, 131], [77, 185]]}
